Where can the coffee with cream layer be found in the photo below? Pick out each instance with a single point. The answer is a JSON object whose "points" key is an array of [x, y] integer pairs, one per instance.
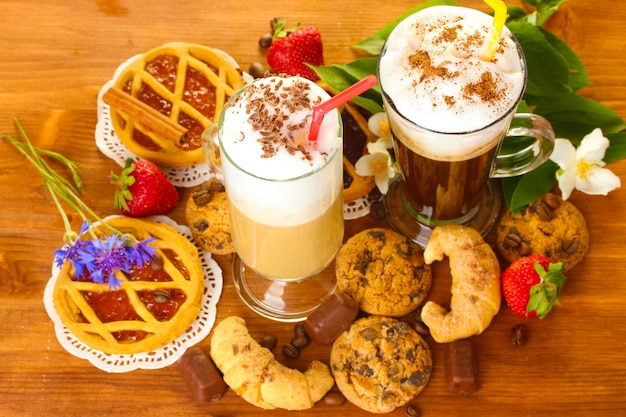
{"points": [[284, 193], [435, 75]]}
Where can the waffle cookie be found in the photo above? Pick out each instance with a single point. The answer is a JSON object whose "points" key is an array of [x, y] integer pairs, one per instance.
{"points": [[186, 83], [380, 364], [356, 136], [154, 305]]}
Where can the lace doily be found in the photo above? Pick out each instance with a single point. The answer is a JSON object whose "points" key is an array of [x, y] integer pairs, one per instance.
{"points": [[159, 358], [357, 208]]}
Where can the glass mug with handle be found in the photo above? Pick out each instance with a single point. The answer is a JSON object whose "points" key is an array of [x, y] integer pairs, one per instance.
{"points": [[284, 194], [452, 113]]}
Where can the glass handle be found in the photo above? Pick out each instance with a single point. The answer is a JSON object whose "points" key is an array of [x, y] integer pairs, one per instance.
{"points": [[528, 144]]}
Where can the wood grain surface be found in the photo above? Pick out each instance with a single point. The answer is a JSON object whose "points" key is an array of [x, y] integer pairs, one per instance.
{"points": [[57, 54]]}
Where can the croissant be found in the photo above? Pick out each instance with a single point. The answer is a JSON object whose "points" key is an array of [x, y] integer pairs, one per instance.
{"points": [[253, 373], [475, 284]]}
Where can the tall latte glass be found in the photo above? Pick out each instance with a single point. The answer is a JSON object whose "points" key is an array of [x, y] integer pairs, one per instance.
{"points": [[284, 194], [450, 107]]}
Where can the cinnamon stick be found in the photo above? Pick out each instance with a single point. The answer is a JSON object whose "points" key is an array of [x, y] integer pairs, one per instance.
{"points": [[145, 115]]}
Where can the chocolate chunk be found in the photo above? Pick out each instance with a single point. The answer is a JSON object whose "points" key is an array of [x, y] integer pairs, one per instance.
{"points": [[331, 318], [201, 375], [461, 367]]}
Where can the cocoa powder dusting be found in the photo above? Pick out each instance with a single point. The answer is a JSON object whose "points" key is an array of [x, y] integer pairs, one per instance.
{"points": [[420, 61], [486, 89]]}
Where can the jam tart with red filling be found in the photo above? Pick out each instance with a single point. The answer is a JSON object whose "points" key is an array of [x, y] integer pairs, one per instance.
{"points": [[155, 304], [186, 83]]}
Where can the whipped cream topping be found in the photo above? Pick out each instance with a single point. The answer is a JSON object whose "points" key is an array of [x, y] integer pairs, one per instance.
{"points": [[434, 71]]}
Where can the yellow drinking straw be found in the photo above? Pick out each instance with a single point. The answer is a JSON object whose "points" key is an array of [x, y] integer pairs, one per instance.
{"points": [[499, 18]]}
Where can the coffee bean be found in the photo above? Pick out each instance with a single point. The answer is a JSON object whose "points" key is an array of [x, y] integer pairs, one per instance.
{"points": [[269, 341], [377, 210], [299, 329], [518, 335], [257, 70], [412, 411], [162, 296], [334, 398], [265, 41], [300, 341], [421, 328], [290, 351]]}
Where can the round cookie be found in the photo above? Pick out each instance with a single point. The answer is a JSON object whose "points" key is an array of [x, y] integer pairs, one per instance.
{"points": [[380, 364], [207, 217], [550, 227], [384, 272]]}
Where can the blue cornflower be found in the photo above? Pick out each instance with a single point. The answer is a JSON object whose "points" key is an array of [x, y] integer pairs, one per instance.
{"points": [[108, 257], [141, 253]]}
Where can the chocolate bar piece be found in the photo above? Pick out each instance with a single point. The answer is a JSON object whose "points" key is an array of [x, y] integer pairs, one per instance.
{"points": [[461, 367], [201, 375], [331, 318]]}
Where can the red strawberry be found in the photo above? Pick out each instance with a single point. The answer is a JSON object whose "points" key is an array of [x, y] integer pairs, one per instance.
{"points": [[292, 48], [143, 190], [531, 285]]}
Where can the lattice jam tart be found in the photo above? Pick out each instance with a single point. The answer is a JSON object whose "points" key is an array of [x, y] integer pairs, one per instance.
{"points": [[356, 136], [155, 304], [187, 83]]}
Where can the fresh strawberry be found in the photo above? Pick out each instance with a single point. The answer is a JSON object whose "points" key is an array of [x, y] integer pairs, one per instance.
{"points": [[143, 190], [291, 49], [531, 285]]}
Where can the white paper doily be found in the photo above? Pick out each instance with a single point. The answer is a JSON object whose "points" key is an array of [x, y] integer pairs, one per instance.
{"points": [[357, 208], [159, 358]]}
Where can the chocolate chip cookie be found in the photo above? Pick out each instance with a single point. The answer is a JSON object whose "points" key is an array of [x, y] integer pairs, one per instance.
{"points": [[550, 227], [380, 364], [384, 272], [207, 217]]}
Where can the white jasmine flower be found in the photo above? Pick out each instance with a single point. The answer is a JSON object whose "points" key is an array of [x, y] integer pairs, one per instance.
{"points": [[377, 163], [582, 168], [378, 125]]}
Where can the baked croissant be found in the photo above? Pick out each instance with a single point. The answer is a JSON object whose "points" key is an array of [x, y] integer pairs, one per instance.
{"points": [[253, 373], [475, 284]]}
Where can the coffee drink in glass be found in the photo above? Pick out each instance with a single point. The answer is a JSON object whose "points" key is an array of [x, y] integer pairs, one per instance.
{"points": [[450, 106], [284, 193]]}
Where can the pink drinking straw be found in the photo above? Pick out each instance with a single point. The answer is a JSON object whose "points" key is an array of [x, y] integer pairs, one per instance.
{"points": [[337, 100]]}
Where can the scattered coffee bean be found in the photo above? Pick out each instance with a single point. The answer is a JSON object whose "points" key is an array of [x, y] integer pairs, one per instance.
{"points": [[421, 328], [290, 351], [552, 200], [377, 210], [265, 41], [299, 329], [162, 296], [334, 398], [300, 341], [257, 70], [269, 341], [518, 335], [412, 411]]}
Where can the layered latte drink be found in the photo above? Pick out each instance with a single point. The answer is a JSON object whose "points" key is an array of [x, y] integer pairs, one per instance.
{"points": [[284, 194], [449, 106]]}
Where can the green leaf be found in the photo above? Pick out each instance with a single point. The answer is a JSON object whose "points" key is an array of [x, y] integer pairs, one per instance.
{"points": [[573, 116], [545, 8], [578, 75], [617, 150], [541, 55], [523, 190], [374, 44]]}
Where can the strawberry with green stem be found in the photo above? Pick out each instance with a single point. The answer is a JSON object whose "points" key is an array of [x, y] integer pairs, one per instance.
{"points": [[143, 190], [531, 285], [292, 49]]}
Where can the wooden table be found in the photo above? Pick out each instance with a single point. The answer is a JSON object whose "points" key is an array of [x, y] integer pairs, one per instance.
{"points": [[57, 54]]}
